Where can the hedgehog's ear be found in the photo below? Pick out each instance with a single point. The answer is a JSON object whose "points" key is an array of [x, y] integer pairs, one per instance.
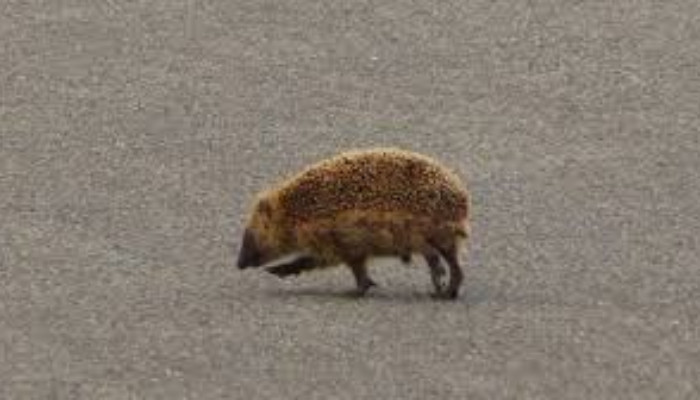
{"points": [[265, 207]]}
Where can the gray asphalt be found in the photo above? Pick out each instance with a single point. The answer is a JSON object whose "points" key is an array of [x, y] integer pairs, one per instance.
{"points": [[134, 136]]}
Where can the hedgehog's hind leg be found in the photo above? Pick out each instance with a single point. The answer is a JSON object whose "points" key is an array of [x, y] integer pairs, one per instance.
{"points": [[359, 271], [456, 275], [450, 253], [437, 270]]}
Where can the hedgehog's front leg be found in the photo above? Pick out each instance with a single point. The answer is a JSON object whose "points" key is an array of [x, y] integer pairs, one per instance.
{"points": [[294, 267], [359, 271]]}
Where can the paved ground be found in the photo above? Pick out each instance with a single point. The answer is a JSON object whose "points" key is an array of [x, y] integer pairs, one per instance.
{"points": [[134, 135]]}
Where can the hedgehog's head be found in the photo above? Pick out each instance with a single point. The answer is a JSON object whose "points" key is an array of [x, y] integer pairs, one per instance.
{"points": [[263, 239]]}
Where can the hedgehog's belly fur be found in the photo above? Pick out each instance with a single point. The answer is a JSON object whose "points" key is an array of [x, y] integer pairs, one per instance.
{"points": [[359, 235]]}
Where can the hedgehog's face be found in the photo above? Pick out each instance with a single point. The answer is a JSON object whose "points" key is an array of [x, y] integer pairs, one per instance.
{"points": [[260, 243]]}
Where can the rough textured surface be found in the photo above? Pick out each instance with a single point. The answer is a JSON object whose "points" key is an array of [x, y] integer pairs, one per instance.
{"points": [[134, 135]]}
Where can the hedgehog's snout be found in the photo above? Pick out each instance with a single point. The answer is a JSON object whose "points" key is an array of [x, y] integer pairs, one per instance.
{"points": [[250, 255]]}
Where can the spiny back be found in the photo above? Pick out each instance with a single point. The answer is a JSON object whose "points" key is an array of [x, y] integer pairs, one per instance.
{"points": [[387, 180]]}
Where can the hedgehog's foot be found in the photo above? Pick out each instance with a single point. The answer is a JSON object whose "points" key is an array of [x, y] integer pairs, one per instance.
{"points": [[363, 287], [359, 292], [294, 267], [362, 279]]}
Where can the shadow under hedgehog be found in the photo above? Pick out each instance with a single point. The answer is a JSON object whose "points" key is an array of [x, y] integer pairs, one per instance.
{"points": [[358, 205]]}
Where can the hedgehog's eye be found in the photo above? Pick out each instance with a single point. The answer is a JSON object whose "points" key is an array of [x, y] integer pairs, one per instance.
{"points": [[265, 208]]}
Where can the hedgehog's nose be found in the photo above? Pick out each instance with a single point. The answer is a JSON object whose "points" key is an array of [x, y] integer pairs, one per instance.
{"points": [[241, 263], [248, 255], [247, 259]]}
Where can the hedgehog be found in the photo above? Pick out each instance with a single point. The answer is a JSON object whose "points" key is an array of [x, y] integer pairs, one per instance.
{"points": [[358, 205]]}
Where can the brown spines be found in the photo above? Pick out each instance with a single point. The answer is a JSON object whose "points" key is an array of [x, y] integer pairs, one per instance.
{"points": [[383, 180]]}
